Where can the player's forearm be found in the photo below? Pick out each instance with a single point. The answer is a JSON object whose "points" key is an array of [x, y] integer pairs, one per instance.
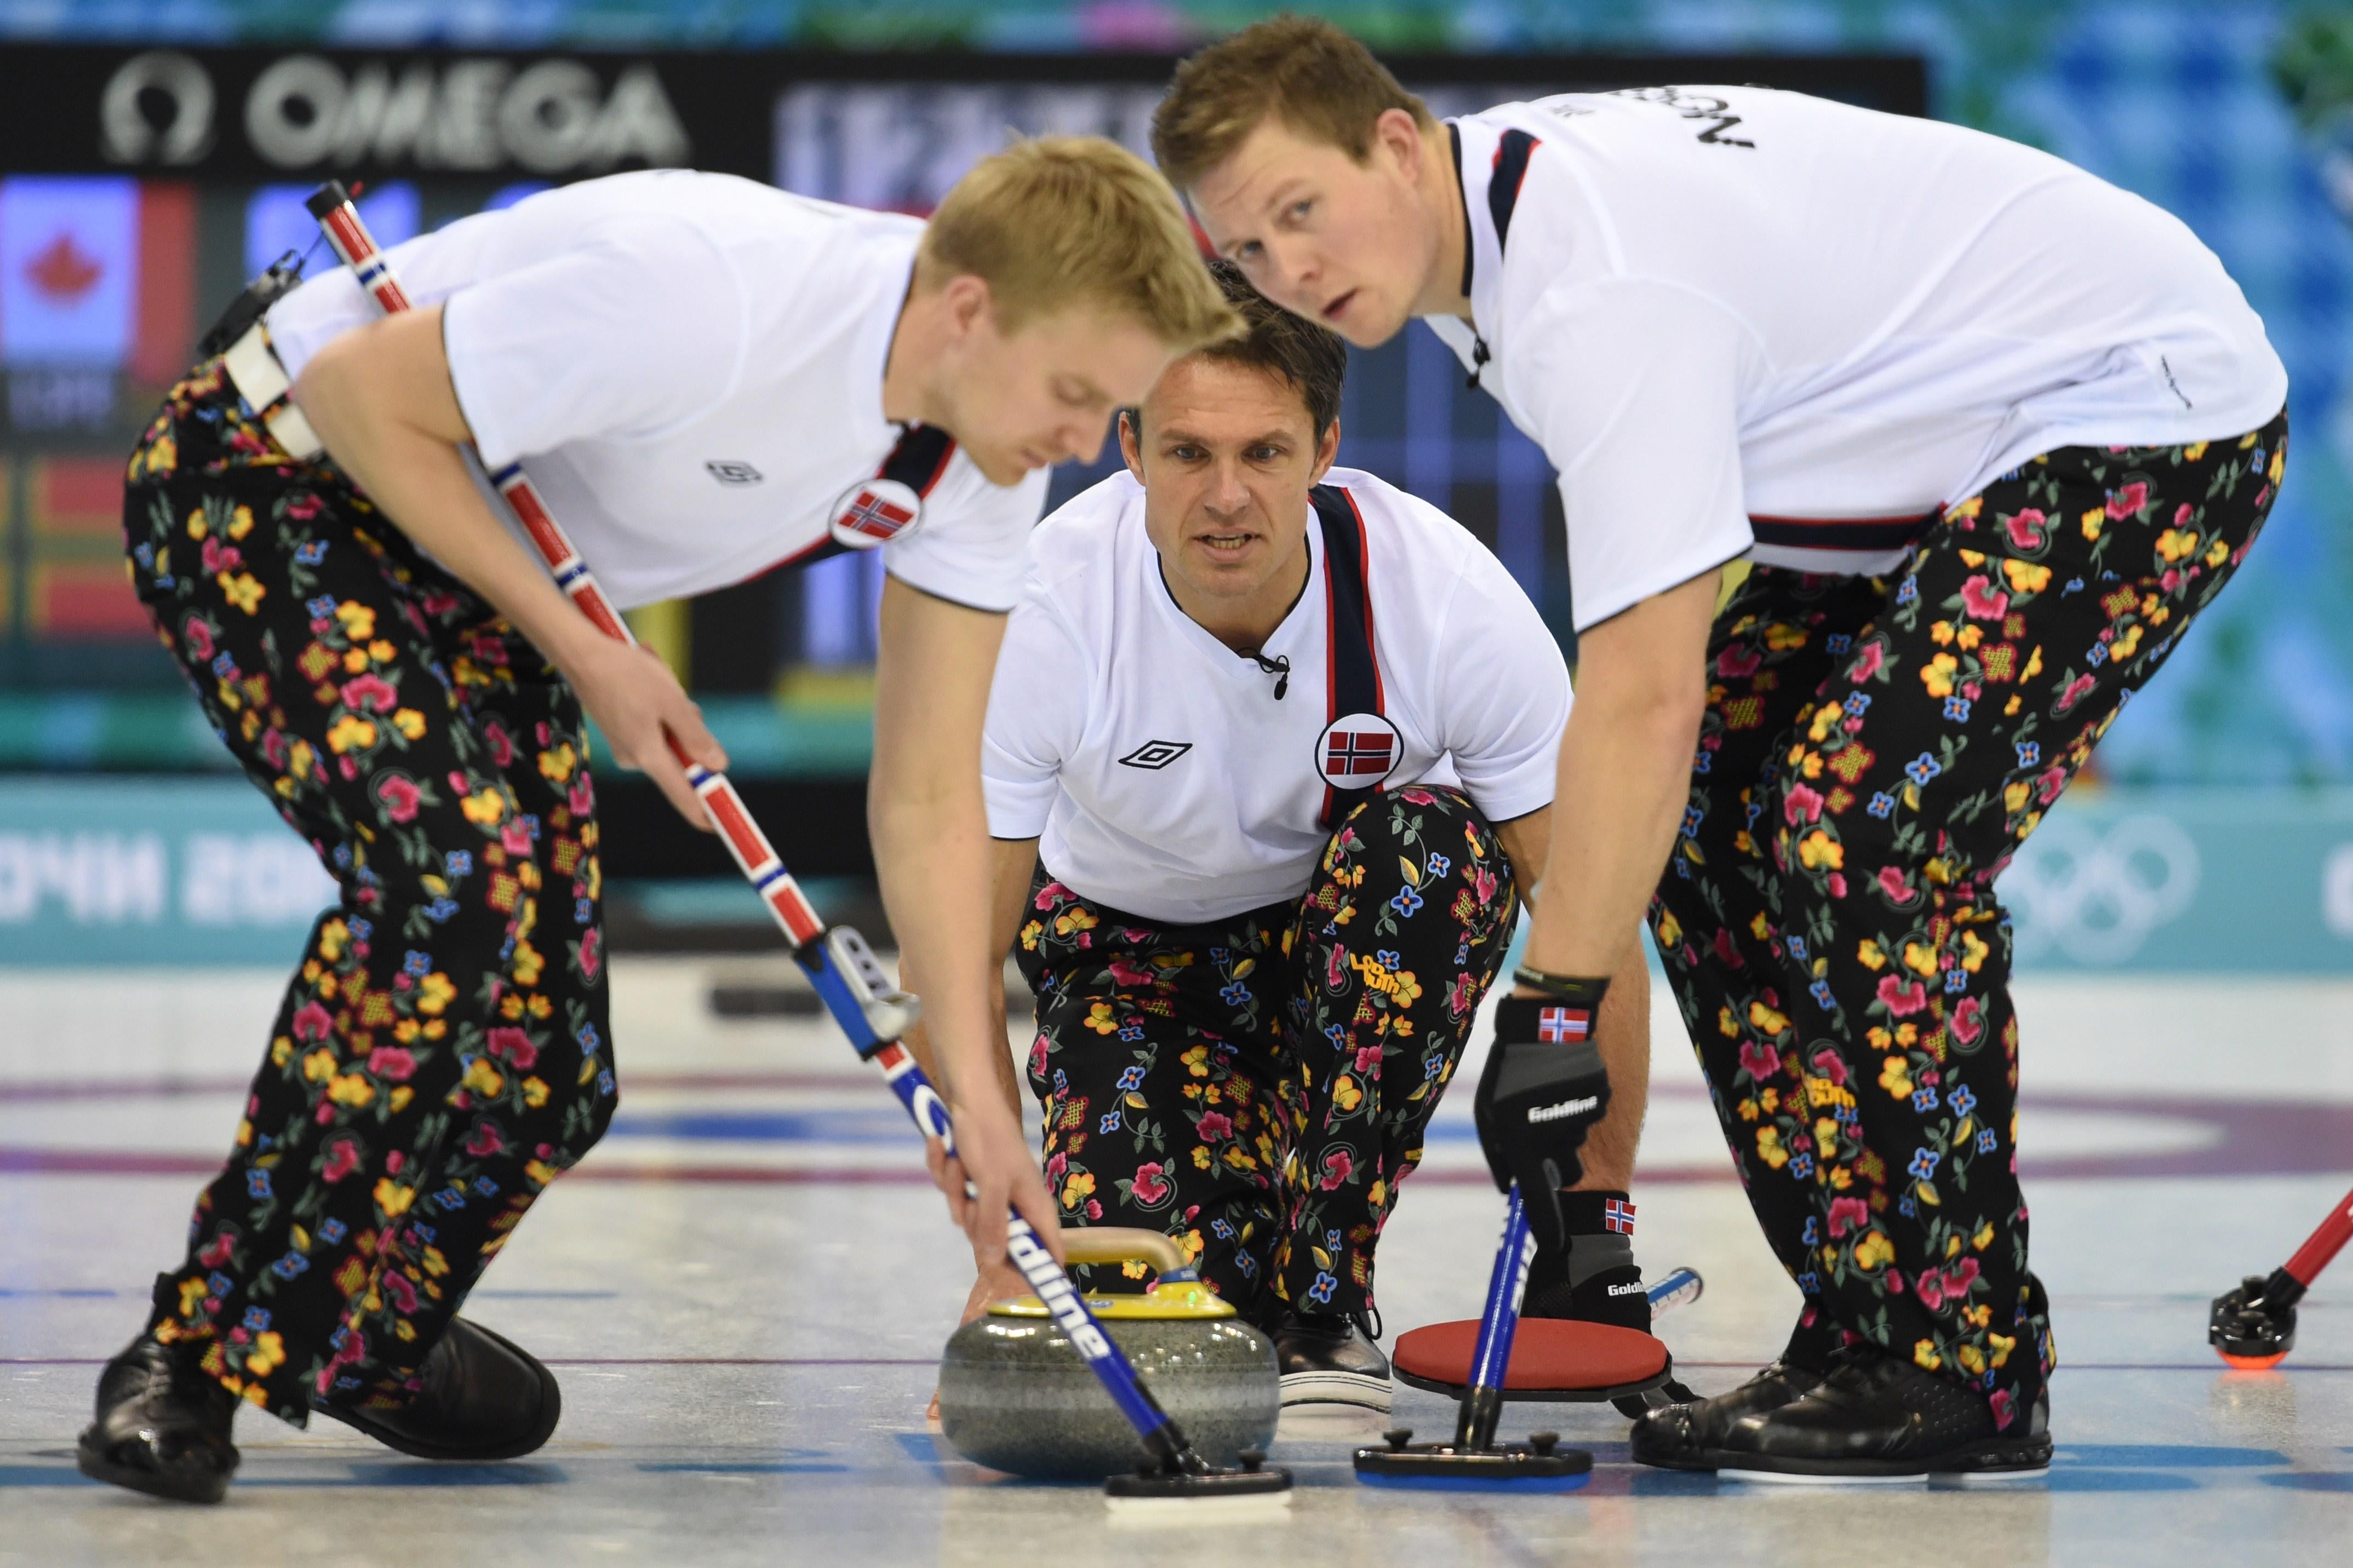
{"points": [[931, 856], [399, 449], [1621, 1032]]}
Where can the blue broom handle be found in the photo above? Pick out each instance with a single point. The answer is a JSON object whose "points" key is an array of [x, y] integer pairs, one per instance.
{"points": [[1498, 1324]]}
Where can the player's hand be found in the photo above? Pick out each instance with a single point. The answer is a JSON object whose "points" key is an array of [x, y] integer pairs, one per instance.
{"points": [[994, 1157], [636, 702], [1544, 1086]]}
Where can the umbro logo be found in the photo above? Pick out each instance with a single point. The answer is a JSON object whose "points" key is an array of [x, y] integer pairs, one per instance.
{"points": [[1155, 755], [730, 471]]}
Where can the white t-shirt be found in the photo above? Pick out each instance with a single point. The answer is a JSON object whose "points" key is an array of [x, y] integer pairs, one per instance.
{"points": [[1157, 766], [690, 368], [1744, 321]]}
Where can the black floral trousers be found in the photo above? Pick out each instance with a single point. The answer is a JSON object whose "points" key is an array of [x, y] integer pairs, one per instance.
{"points": [[1874, 753], [442, 1052], [1258, 1088]]}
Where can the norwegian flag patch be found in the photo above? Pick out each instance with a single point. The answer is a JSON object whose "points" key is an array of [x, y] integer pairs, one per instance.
{"points": [[875, 512], [1356, 750], [1618, 1215], [1563, 1026]]}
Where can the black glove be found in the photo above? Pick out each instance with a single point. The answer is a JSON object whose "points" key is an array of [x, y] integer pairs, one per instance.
{"points": [[1543, 1089]]}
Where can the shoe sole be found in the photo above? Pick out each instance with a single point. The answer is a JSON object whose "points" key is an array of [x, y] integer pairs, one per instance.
{"points": [[1996, 1462], [551, 1412], [211, 1488], [1349, 1388]]}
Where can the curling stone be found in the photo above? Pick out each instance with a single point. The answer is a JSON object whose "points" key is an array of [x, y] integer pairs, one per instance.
{"points": [[1015, 1396]]}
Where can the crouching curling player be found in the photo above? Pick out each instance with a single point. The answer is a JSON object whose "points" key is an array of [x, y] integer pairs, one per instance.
{"points": [[707, 379], [1268, 754]]}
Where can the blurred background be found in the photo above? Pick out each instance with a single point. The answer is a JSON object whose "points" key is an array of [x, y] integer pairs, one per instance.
{"points": [[154, 155]]}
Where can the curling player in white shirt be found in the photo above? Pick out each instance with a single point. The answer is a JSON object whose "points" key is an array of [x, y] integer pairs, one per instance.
{"points": [[1269, 766]]}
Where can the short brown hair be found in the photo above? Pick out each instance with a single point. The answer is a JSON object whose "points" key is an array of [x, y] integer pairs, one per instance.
{"points": [[1310, 359], [1308, 74], [1061, 219]]}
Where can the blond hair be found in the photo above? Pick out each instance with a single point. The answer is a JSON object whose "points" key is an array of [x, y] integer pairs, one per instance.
{"points": [[1302, 71], [1062, 220]]}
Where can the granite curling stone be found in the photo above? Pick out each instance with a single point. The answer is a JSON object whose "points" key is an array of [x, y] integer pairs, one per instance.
{"points": [[1015, 1396]]}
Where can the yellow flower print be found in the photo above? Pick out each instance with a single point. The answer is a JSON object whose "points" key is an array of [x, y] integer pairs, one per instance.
{"points": [[1984, 1238], [2026, 577], [1873, 1250], [358, 620], [401, 1096], [534, 1093], [1030, 935], [1100, 1020], [318, 1065], [1770, 1099], [1908, 1035], [351, 733], [1937, 674], [434, 993], [1941, 634], [528, 963], [1747, 1110], [1919, 960], [1766, 1020], [410, 723], [1972, 1360], [350, 1088], [1969, 508], [1407, 989], [1346, 1094], [1925, 1353], [483, 1078], [2015, 796], [1769, 1147], [393, 1198], [539, 1173], [1873, 957], [2193, 452], [1670, 933], [2002, 1345], [1195, 1060], [558, 765], [240, 523], [1819, 851], [2094, 519], [1379, 1194], [2176, 544], [244, 590], [1781, 638], [1880, 1038], [1826, 1133], [269, 1352], [1077, 917], [484, 807], [1973, 952], [1895, 1077]]}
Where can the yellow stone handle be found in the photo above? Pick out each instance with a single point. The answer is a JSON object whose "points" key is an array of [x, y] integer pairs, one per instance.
{"points": [[1117, 1244]]}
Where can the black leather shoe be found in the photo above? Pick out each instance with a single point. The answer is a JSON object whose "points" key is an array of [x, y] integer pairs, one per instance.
{"points": [[1875, 1419], [1330, 1361], [1691, 1437], [163, 1426], [484, 1398]]}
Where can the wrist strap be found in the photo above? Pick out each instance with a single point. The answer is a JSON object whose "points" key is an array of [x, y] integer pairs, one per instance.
{"points": [[1583, 992]]}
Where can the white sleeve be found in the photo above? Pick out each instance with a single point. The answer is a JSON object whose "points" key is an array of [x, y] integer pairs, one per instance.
{"points": [[1037, 710], [625, 336], [1633, 389], [973, 545], [1503, 689]]}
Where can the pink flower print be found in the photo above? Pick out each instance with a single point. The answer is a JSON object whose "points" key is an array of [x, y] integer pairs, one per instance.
{"points": [[1338, 1165], [1868, 659], [1038, 1057], [2004, 1405], [302, 507], [2025, 528], [1960, 1277], [514, 1045], [1049, 895], [1802, 803], [1837, 884], [342, 1159], [514, 837], [486, 1140], [399, 796], [1827, 1065], [592, 949], [1214, 1127], [1417, 797], [403, 1294], [372, 693], [582, 798], [2123, 503], [1056, 1166], [2077, 690], [1094, 1208], [1982, 601], [1725, 951], [1483, 884], [217, 1251], [1149, 1187], [394, 1163], [273, 747], [199, 638], [1930, 1288], [1738, 663], [1335, 969], [1126, 971], [1904, 997], [1368, 1060], [312, 1022], [1895, 1278], [348, 768], [1847, 1214], [1969, 1020], [1759, 1061], [502, 743], [391, 1063], [1896, 886]]}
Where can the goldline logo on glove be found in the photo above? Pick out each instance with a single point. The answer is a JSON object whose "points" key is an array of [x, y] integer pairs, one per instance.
{"points": [[1566, 1107]]}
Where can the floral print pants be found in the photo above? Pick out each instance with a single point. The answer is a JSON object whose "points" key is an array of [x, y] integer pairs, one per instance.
{"points": [[1257, 1088], [1874, 753], [442, 1053]]}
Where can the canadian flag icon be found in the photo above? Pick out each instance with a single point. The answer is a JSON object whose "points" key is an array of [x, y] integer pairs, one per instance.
{"points": [[69, 264]]}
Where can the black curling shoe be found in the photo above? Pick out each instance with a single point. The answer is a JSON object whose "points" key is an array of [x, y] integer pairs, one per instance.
{"points": [[1691, 1436], [1330, 1361], [1874, 1418], [484, 1398], [163, 1426]]}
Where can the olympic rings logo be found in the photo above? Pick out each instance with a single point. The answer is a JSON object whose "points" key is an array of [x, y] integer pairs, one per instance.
{"points": [[2095, 895]]}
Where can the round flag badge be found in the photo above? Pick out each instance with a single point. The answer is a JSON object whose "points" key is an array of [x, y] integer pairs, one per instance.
{"points": [[875, 512], [1356, 750]]}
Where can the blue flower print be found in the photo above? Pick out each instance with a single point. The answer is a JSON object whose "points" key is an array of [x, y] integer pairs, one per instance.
{"points": [[1321, 1291], [1963, 1100], [1923, 1161], [1406, 903], [1131, 1080], [1881, 805], [1922, 768]]}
